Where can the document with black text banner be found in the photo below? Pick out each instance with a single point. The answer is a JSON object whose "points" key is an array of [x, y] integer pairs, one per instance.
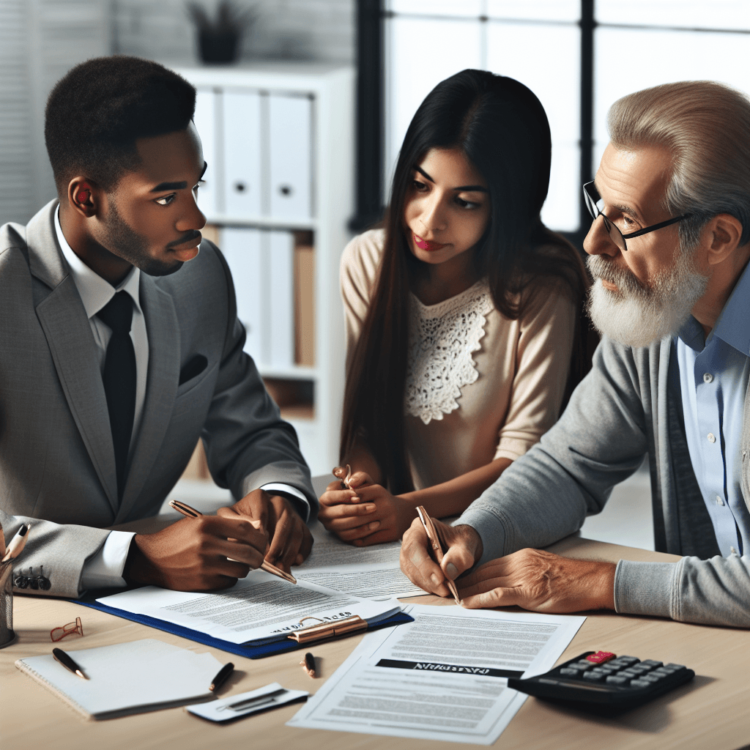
{"points": [[442, 677]]}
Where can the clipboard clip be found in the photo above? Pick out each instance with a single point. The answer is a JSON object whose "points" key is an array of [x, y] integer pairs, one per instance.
{"points": [[326, 629]]}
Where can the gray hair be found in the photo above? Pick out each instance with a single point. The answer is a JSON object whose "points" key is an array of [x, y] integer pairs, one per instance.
{"points": [[706, 127]]}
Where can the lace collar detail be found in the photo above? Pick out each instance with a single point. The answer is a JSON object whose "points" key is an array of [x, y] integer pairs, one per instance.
{"points": [[442, 341]]}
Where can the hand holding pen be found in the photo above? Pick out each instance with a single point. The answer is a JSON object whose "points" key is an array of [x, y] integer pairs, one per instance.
{"points": [[204, 553], [460, 547], [190, 512]]}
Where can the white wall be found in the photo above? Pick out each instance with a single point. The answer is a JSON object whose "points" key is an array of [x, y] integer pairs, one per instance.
{"points": [[286, 29], [40, 40]]}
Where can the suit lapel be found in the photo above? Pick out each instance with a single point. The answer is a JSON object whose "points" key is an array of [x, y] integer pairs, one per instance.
{"points": [[71, 343], [163, 375]]}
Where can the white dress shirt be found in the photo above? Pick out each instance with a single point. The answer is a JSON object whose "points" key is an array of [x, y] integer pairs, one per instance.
{"points": [[104, 569]]}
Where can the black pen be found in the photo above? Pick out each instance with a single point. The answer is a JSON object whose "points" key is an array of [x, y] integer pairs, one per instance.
{"points": [[308, 664], [259, 700], [68, 663], [222, 677]]}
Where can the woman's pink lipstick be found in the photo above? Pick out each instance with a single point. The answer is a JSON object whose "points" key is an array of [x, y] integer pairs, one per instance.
{"points": [[426, 244]]}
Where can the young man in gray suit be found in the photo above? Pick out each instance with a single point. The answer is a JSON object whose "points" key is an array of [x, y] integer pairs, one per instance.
{"points": [[669, 249], [120, 347]]}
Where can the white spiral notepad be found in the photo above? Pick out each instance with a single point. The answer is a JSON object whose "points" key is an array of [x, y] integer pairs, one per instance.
{"points": [[126, 678]]}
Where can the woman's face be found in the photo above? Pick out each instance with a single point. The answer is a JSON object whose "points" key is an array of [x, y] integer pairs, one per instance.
{"points": [[447, 206]]}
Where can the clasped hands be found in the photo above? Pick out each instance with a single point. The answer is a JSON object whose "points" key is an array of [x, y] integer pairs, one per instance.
{"points": [[532, 579], [365, 513], [212, 552]]}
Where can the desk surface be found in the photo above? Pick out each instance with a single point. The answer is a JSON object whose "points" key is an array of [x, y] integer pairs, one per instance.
{"points": [[708, 712]]}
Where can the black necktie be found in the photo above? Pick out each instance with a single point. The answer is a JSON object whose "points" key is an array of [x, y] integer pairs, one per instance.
{"points": [[119, 379]]}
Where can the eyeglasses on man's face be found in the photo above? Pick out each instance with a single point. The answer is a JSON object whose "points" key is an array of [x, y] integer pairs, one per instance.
{"points": [[595, 204]]}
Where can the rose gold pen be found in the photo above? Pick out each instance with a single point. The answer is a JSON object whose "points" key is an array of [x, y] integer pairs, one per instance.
{"points": [[191, 512], [338, 472], [437, 547]]}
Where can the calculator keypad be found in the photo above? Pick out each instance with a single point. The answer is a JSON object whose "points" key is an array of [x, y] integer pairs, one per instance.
{"points": [[623, 671], [618, 672], [603, 678]]}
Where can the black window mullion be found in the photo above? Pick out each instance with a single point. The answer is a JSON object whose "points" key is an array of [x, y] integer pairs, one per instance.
{"points": [[370, 122]]}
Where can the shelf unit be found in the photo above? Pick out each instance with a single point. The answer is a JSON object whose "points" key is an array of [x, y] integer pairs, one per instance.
{"points": [[330, 93]]}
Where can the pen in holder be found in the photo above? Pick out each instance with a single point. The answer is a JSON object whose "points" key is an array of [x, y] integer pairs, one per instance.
{"points": [[7, 635]]}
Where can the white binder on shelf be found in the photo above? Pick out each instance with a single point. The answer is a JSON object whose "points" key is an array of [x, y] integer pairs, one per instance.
{"points": [[242, 152], [280, 309], [205, 118], [290, 123], [243, 249]]}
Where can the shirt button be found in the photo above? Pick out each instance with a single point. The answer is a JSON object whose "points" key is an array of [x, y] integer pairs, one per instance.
{"points": [[733, 550], [719, 500], [707, 377], [711, 437]]}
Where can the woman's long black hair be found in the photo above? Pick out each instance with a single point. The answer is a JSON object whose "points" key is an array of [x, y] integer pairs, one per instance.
{"points": [[502, 129]]}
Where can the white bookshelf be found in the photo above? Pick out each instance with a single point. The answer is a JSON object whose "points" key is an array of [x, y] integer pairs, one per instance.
{"points": [[330, 93]]}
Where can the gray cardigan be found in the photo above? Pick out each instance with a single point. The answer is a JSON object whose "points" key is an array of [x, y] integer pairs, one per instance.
{"points": [[628, 405]]}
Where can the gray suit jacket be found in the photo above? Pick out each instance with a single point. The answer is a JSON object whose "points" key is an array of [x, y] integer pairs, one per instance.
{"points": [[57, 464], [628, 405]]}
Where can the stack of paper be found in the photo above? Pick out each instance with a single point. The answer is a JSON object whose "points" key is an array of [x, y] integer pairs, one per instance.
{"points": [[258, 609], [126, 678]]}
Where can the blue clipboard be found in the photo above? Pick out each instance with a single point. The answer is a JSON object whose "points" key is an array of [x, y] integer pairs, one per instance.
{"points": [[248, 651]]}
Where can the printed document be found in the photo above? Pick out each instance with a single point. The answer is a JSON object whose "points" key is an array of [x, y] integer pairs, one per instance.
{"points": [[369, 572], [441, 677], [258, 608]]}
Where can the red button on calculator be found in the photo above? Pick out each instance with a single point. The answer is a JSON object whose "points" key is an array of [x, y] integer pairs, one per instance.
{"points": [[600, 657]]}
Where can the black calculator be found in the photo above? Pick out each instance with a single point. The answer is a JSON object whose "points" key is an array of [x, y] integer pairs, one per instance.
{"points": [[603, 680]]}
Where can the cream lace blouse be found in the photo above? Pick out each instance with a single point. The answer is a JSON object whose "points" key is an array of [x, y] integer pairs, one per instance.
{"points": [[479, 386]]}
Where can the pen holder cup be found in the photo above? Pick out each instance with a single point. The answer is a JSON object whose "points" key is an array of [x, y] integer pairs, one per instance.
{"points": [[7, 635]]}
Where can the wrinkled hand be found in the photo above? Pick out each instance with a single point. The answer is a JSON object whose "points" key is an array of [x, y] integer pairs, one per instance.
{"points": [[542, 582], [463, 548], [365, 514], [192, 554], [288, 541]]}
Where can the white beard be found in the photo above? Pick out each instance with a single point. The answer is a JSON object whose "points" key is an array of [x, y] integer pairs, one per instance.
{"points": [[637, 315]]}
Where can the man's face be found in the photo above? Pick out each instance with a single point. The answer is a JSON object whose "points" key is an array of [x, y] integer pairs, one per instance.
{"points": [[151, 219], [646, 293]]}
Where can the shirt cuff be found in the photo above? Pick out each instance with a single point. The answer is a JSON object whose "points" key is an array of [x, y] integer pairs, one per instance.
{"points": [[292, 493], [645, 588], [490, 529], [104, 569]]}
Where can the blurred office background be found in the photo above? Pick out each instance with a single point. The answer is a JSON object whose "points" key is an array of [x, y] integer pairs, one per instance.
{"points": [[577, 55]]}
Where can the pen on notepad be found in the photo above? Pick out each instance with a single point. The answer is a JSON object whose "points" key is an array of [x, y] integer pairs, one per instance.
{"points": [[68, 662], [14, 549], [190, 512], [253, 702]]}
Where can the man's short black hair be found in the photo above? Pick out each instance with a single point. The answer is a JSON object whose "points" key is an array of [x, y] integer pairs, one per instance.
{"points": [[101, 107]]}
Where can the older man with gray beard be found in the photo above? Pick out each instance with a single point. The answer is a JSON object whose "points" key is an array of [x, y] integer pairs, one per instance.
{"points": [[669, 247]]}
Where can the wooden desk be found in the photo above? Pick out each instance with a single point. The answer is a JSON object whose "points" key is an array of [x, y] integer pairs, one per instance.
{"points": [[709, 712]]}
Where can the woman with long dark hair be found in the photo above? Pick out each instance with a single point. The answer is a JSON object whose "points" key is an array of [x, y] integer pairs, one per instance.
{"points": [[462, 313]]}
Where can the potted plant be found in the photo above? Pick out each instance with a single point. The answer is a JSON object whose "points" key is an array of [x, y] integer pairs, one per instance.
{"points": [[219, 35]]}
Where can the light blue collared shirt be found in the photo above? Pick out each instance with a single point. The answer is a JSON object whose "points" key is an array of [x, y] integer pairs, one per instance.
{"points": [[714, 373]]}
